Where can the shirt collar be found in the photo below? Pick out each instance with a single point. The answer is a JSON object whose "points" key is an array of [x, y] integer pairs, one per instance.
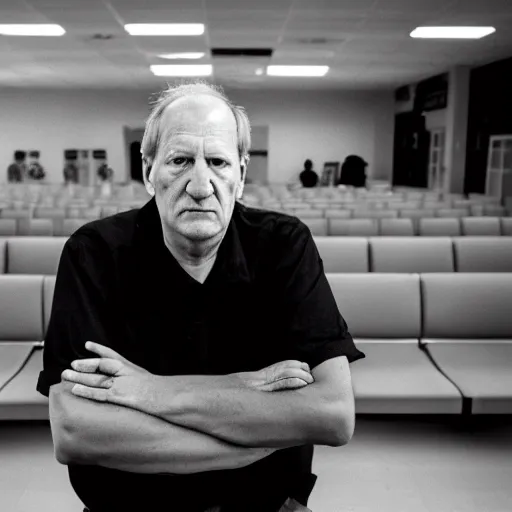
{"points": [[231, 263]]}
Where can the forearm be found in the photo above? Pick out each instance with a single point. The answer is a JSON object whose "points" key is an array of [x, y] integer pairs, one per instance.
{"points": [[126, 439], [224, 407]]}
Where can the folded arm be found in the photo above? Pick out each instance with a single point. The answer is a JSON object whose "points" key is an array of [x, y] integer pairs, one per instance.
{"points": [[113, 436]]}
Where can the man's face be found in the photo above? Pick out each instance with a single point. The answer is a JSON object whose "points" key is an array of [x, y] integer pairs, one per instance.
{"points": [[196, 173]]}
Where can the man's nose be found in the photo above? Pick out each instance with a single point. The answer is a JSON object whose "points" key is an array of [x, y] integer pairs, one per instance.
{"points": [[200, 185]]}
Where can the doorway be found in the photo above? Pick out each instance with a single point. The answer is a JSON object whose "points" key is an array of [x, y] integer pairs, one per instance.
{"points": [[257, 171], [436, 168], [133, 139]]}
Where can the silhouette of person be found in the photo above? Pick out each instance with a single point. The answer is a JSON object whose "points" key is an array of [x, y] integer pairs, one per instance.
{"points": [[308, 177]]}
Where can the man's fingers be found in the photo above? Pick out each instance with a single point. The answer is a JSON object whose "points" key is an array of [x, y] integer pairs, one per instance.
{"points": [[291, 383], [103, 351], [298, 373], [93, 380], [98, 394], [105, 366]]}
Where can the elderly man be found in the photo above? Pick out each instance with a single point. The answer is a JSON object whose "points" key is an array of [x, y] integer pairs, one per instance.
{"points": [[195, 353]]}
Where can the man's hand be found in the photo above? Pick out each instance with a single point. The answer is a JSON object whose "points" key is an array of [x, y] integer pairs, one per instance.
{"points": [[109, 378], [278, 377]]}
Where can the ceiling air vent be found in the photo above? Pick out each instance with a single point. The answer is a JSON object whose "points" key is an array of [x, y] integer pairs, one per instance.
{"points": [[316, 41], [101, 37], [242, 52]]}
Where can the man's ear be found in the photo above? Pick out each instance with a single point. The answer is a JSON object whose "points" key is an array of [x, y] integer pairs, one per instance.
{"points": [[146, 176], [243, 175]]}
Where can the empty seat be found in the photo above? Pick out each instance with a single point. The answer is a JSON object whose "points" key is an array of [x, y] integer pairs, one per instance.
{"points": [[71, 225], [3, 252], [478, 254], [453, 212], [494, 210], [35, 227], [506, 226], [472, 344], [439, 227], [411, 254], [340, 254], [383, 315], [353, 227], [7, 227], [11, 213], [26, 255], [303, 213], [374, 214], [318, 227], [331, 213], [396, 227], [19, 400], [481, 226]]}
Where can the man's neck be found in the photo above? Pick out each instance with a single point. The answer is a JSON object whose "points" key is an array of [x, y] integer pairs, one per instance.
{"points": [[195, 257]]}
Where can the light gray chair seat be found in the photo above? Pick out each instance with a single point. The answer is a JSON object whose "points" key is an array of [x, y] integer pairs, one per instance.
{"points": [[19, 400], [397, 377], [7, 227], [411, 254], [481, 226], [396, 227], [482, 370], [506, 226], [353, 227], [34, 255], [439, 227], [341, 254], [331, 213], [483, 254]]}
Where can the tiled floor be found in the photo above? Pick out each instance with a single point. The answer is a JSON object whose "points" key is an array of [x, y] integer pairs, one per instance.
{"points": [[391, 464]]}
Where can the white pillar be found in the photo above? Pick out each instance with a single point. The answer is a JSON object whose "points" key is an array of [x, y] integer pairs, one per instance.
{"points": [[456, 129]]}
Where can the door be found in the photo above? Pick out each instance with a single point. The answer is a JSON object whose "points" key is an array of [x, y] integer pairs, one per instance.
{"points": [[411, 151], [257, 171]]}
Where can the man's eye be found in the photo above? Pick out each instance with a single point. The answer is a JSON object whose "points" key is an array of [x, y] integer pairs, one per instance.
{"points": [[179, 160], [217, 162]]}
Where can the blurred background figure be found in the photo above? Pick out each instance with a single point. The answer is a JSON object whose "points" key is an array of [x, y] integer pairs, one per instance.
{"points": [[35, 169], [353, 171], [16, 171], [308, 177]]}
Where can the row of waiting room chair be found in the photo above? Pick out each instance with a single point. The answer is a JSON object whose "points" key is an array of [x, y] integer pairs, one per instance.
{"points": [[39, 255], [435, 343], [466, 226]]}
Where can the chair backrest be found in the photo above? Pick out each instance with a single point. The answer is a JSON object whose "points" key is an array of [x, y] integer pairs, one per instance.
{"points": [[332, 213], [318, 227], [379, 305], [364, 213], [8, 213], [49, 213], [481, 226], [342, 254], [466, 305], [506, 226], [411, 254], [35, 227], [21, 312], [416, 213], [48, 289], [7, 227], [439, 227], [353, 227], [483, 254], [453, 212], [307, 213], [3, 254], [396, 227], [27, 255]]}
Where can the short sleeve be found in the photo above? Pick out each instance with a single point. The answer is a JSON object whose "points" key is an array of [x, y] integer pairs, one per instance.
{"points": [[311, 323], [79, 311]]}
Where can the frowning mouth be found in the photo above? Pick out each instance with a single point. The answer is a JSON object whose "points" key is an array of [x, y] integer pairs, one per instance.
{"points": [[198, 210]]}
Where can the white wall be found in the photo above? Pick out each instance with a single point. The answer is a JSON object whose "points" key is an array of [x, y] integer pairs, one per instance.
{"points": [[322, 126]]}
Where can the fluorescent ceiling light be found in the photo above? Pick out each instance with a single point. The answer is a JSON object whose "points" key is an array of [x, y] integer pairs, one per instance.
{"points": [[185, 55], [31, 29], [181, 70], [297, 70], [165, 29], [452, 32]]}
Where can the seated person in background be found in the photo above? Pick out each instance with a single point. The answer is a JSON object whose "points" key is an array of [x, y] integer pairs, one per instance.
{"points": [[195, 352], [35, 169], [16, 171], [308, 177], [353, 172]]}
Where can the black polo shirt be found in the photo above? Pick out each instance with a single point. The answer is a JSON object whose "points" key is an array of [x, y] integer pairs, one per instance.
{"points": [[265, 300]]}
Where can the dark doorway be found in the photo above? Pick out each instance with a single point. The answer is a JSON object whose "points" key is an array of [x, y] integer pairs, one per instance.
{"points": [[135, 161], [411, 151]]}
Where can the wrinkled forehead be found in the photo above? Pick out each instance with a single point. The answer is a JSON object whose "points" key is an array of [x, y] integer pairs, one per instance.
{"points": [[203, 116]]}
